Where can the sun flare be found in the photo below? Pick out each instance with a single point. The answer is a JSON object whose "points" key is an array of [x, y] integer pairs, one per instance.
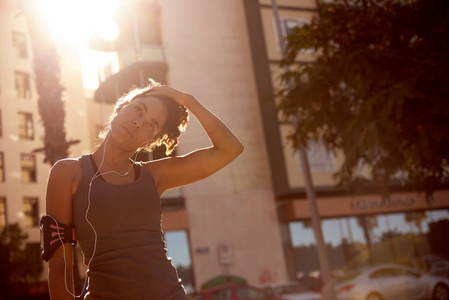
{"points": [[74, 22]]}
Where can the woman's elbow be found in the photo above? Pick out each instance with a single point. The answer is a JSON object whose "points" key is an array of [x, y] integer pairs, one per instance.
{"points": [[237, 149], [240, 148]]}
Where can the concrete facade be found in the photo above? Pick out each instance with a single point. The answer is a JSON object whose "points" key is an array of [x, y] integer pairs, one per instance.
{"points": [[207, 51]]}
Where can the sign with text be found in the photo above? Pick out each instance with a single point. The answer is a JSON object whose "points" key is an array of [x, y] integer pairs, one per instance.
{"points": [[373, 203], [225, 255]]}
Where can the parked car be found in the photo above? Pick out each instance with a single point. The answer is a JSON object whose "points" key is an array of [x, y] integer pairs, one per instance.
{"points": [[432, 264], [440, 268], [389, 282], [232, 292], [291, 291]]}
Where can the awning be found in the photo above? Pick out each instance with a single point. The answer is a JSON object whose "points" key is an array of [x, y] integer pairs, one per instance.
{"points": [[133, 75]]}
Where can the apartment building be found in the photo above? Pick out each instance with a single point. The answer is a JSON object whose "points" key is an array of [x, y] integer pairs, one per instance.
{"points": [[23, 173]]}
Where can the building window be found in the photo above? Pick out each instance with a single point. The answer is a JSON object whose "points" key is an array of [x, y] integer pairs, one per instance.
{"points": [[287, 26], [26, 129], [31, 211], [2, 168], [19, 44], [28, 167], [178, 248], [320, 159], [3, 219], [22, 85]]}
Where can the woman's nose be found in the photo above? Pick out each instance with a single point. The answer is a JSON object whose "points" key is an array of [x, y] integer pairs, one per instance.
{"points": [[137, 123]]}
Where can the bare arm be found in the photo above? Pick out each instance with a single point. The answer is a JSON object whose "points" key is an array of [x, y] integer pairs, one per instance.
{"points": [[178, 171], [59, 206]]}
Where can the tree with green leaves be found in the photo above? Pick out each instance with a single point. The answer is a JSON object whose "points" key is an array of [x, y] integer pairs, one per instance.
{"points": [[377, 91], [18, 268]]}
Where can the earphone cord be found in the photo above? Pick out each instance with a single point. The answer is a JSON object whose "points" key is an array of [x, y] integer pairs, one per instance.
{"points": [[96, 175]]}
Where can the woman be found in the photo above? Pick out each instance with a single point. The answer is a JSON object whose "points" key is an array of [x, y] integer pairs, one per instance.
{"points": [[114, 203]]}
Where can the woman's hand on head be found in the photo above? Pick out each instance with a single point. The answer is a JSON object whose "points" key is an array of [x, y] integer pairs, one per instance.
{"points": [[205, 161], [180, 97]]}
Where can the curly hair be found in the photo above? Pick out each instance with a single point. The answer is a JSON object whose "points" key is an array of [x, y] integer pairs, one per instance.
{"points": [[176, 123]]}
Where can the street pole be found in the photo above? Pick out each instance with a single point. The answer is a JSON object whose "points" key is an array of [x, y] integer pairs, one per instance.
{"points": [[310, 191]]}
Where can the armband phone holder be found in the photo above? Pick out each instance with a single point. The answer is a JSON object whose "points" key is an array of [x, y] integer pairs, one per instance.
{"points": [[53, 235]]}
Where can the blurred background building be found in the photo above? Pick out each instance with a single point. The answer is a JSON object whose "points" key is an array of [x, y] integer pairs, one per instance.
{"points": [[251, 219], [23, 174]]}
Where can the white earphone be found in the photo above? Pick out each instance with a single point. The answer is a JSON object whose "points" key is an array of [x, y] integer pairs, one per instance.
{"points": [[96, 175]]}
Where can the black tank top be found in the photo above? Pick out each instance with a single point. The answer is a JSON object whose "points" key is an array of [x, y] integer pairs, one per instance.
{"points": [[130, 259]]}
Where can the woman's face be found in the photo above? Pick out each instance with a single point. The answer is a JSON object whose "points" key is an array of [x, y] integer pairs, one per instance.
{"points": [[139, 122]]}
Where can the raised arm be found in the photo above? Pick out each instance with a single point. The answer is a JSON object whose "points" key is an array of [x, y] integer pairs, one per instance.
{"points": [[178, 171], [59, 206]]}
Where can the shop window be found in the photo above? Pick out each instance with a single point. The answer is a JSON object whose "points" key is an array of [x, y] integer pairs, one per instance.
{"points": [[19, 44], [3, 216], [31, 211], [26, 128], [178, 249], [23, 87], [357, 241], [2, 167], [28, 168]]}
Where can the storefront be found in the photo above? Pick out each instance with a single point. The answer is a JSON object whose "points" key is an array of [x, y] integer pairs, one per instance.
{"points": [[363, 230]]}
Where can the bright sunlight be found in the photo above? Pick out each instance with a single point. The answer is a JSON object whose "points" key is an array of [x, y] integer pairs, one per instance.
{"points": [[74, 22]]}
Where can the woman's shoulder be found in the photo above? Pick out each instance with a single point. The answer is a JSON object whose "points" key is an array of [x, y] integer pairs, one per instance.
{"points": [[67, 164], [67, 168], [66, 173]]}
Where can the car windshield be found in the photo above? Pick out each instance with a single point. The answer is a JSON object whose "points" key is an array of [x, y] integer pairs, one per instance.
{"points": [[289, 289]]}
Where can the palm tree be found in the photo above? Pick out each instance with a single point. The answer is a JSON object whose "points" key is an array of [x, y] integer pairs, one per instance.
{"points": [[47, 79], [416, 217], [47, 76], [368, 223]]}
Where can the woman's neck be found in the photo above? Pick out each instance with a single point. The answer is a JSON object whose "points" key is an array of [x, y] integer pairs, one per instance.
{"points": [[110, 156]]}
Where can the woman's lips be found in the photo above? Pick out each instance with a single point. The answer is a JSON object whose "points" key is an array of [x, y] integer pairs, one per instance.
{"points": [[128, 132]]}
